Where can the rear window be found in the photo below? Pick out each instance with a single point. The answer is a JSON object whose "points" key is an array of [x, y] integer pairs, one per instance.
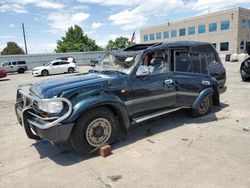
{"points": [[21, 63]]}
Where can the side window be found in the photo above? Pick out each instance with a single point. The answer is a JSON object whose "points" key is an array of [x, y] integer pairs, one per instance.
{"points": [[196, 65], [7, 64], [56, 64], [204, 69], [14, 63], [63, 63], [21, 62], [183, 62], [156, 61]]}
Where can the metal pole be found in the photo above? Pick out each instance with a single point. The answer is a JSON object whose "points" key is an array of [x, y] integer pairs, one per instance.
{"points": [[24, 38]]}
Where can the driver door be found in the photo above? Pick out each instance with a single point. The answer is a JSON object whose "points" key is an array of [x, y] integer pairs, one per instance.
{"points": [[155, 90]]}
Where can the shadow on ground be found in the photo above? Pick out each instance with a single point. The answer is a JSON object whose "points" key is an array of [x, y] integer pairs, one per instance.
{"points": [[4, 79], [138, 132]]}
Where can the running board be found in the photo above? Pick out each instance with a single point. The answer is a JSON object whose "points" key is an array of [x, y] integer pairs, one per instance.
{"points": [[153, 115]]}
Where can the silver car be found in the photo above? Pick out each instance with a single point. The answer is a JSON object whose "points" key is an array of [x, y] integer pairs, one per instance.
{"points": [[14, 66]]}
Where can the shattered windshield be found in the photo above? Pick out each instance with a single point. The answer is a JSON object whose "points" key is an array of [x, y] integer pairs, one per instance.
{"points": [[117, 63]]}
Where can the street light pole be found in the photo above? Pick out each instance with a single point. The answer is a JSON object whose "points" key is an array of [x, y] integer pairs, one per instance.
{"points": [[24, 38]]}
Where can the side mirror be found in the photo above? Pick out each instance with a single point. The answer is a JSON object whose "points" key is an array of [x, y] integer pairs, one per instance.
{"points": [[142, 71]]}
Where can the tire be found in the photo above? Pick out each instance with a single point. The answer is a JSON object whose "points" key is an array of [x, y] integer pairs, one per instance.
{"points": [[45, 73], [204, 108], [94, 129], [244, 78], [21, 71], [71, 70]]}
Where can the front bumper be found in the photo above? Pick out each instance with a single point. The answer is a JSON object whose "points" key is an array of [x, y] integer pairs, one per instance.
{"points": [[50, 128], [36, 73]]}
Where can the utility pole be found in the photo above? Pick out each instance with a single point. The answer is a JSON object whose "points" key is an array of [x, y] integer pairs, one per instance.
{"points": [[24, 38]]}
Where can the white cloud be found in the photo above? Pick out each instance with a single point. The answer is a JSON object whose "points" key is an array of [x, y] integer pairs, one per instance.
{"points": [[7, 37], [48, 4], [215, 5], [11, 25], [35, 48], [112, 2], [128, 19], [96, 25], [11, 7], [61, 21], [137, 17]]}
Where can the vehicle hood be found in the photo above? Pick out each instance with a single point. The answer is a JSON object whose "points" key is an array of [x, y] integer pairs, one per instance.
{"points": [[54, 87], [40, 67]]}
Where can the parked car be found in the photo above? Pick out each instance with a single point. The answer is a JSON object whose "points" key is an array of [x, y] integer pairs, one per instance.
{"points": [[125, 88], [14, 66], [2, 73], [245, 69], [55, 67], [69, 59]]}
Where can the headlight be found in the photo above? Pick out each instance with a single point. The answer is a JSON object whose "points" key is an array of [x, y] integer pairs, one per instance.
{"points": [[52, 107]]}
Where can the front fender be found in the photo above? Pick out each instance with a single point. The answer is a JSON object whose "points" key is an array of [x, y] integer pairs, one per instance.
{"points": [[104, 99], [200, 97]]}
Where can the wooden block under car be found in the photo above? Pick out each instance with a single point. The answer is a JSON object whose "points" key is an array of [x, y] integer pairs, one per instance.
{"points": [[105, 150]]}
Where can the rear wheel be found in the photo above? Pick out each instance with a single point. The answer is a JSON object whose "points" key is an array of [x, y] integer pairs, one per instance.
{"points": [[45, 73], [94, 129], [20, 71], [204, 108], [71, 70]]}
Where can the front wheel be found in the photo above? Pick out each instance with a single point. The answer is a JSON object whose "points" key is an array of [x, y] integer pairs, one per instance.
{"points": [[94, 129], [203, 109], [45, 73]]}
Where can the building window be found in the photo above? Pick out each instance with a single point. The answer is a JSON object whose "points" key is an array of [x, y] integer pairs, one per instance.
{"points": [[214, 45], [243, 23], [182, 32], [225, 25], [158, 36], [191, 30], [248, 24], [152, 36], [145, 37], [173, 33], [212, 27], [224, 46], [242, 45], [201, 29], [166, 35]]}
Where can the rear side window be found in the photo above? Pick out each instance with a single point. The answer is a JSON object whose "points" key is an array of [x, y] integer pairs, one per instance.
{"points": [[210, 52], [190, 62], [21, 63], [63, 63]]}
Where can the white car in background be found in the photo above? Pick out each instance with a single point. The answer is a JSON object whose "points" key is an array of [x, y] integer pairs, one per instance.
{"points": [[55, 67]]}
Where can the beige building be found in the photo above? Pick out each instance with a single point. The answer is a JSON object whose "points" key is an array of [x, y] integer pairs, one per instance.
{"points": [[228, 30]]}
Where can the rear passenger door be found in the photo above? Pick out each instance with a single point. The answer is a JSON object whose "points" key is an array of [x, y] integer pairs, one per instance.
{"points": [[63, 66], [191, 75], [14, 66]]}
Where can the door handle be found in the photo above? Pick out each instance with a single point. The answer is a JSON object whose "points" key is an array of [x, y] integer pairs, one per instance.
{"points": [[169, 81]]}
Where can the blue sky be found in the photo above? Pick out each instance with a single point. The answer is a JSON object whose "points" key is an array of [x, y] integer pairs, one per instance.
{"points": [[46, 21]]}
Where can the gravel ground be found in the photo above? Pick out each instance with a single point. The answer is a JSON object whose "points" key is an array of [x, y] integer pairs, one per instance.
{"points": [[171, 151]]}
